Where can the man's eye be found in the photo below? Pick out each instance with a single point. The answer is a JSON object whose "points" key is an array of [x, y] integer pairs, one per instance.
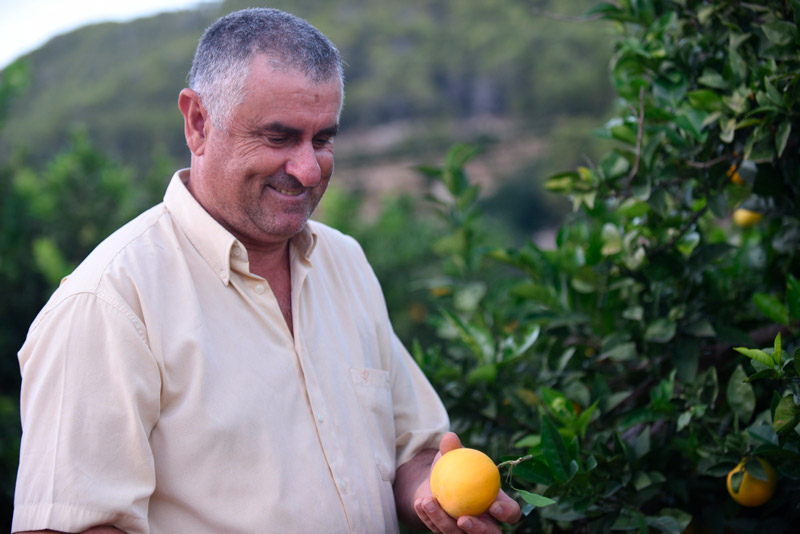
{"points": [[322, 142], [278, 140]]}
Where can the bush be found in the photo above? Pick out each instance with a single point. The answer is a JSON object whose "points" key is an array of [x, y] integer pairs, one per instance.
{"points": [[607, 365]]}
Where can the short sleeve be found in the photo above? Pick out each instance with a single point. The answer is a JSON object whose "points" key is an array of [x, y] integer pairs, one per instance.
{"points": [[90, 398], [420, 418]]}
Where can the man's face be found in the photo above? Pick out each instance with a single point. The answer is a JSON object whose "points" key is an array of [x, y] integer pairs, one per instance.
{"points": [[263, 176]]}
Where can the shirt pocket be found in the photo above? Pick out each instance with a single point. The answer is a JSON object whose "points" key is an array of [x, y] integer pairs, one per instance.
{"points": [[373, 391]]}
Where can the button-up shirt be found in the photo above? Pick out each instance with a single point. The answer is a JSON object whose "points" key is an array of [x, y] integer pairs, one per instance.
{"points": [[163, 392]]}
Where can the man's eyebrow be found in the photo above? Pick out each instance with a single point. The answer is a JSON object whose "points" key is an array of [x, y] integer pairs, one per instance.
{"points": [[279, 127]]}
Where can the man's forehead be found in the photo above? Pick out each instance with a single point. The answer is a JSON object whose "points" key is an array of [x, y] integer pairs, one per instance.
{"points": [[272, 65]]}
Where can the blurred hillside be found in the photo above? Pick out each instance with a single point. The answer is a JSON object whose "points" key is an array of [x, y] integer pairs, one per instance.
{"points": [[504, 74]]}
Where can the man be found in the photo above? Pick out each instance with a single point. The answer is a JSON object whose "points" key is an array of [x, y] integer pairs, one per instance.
{"points": [[221, 364]]}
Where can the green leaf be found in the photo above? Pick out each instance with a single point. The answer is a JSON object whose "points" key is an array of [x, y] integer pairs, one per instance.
{"points": [[764, 374], [728, 130], [553, 450], [705, 99], [529, 441], [561, 182], [793, 295], [786, 416], [660, 331], [539, 501], [771, 307], [741, 396], [612, 240], [713, 79], [757, 355], [534, 470], [776, 350], [780, 32], [782, 136], [483, 373], [701, 328], [736, 481], [755, 469], [621, 352]]}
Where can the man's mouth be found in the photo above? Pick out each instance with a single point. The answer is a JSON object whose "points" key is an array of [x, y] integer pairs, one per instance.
{"points": [[288, 192]]}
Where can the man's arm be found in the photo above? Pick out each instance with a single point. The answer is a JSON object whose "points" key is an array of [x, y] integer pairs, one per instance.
{"points": [[417, 507], [407, 486]]}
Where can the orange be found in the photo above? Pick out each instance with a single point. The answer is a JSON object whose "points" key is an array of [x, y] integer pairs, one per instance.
{"points": [[733, 174], [746, 218], [465, 482], [753, 491]]}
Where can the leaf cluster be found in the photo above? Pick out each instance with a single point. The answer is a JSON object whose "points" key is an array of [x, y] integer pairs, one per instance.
{"points": [[608, 362]]}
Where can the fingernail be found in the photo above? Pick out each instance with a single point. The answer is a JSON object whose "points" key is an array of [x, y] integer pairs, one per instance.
{"points": [[429, 506], [496, 509], [468, 524]]}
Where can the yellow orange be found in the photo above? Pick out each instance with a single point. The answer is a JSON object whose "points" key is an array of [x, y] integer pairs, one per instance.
{"points": [[465, 482], [746, 218], [753, 491]]}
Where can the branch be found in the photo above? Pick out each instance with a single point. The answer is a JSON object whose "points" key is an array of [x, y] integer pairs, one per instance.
{"points": [[691, 222], [709, 164], [639, 136]]}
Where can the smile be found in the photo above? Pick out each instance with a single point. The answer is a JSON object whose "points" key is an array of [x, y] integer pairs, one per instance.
{"points": [[287, 191]]}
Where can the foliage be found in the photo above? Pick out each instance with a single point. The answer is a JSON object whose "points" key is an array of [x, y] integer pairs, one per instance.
{"points": [[610, 360], [51, 220], [430, 61]]}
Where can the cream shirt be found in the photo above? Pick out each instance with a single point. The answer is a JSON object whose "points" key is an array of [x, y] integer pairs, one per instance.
{"points": [[162, 391]]}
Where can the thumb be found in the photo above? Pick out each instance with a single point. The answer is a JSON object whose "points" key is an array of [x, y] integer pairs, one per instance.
{"points": [[449, 442]]}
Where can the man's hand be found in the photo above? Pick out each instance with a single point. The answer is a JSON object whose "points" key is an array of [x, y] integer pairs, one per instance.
{"points": [[504, 508]]}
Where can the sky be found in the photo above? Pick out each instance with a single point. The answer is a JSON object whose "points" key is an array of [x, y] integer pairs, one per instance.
{"points": [[25, 25]]}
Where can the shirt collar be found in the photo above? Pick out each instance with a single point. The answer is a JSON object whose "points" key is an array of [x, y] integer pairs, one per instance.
{"points": [[214, 243]]}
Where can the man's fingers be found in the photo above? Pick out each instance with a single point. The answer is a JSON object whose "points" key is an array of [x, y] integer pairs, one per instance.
{"points": [[435, 518], [505, 509], [478, 525], [423, 515]]}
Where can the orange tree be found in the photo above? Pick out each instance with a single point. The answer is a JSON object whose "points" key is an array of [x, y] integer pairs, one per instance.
{"points": [[633, 366]]}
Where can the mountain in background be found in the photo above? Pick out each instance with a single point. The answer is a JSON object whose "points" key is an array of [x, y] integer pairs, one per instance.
{"points": [[419, 75]]}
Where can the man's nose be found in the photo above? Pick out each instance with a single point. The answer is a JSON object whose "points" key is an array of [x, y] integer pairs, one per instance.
{"points": [[303, 165]]}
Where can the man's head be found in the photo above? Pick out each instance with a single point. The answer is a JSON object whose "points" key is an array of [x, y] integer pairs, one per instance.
{"points": [[260, 119], [225, 52]]}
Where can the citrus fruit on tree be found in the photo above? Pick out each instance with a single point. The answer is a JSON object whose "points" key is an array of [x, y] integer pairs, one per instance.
{"points": [[746, 218], [752, 491], [465, 482], [733, 174]]}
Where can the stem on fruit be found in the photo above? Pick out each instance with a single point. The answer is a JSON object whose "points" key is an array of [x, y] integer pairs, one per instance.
{"points": [[512, 463]]}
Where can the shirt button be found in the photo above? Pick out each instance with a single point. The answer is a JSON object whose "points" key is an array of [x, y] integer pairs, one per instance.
{"points": [[237, 252], [260, 289], [343, 485], [320, 418]]}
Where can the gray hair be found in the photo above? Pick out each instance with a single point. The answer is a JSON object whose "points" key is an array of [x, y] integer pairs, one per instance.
{"points": [[223, 57]]}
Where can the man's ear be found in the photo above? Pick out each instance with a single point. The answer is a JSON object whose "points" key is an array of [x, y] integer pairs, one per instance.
{"points": [[195, 120]]}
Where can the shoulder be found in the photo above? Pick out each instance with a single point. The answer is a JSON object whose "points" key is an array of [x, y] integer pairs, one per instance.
{"points": [[332, 241], [116, 260]]}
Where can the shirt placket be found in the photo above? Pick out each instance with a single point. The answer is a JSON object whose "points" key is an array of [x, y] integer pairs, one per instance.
{"points": [[320, 403]]}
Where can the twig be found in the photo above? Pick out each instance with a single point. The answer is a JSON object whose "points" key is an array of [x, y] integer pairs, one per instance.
{"points": [[512, 463], [639, 136], [708, 164], [682, 231]]}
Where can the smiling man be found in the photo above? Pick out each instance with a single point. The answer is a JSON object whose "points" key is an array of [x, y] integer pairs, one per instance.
{"points": [[221, 363]]}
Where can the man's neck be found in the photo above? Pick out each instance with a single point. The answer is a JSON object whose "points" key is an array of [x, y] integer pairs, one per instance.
{"points": [[272, 264]]}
